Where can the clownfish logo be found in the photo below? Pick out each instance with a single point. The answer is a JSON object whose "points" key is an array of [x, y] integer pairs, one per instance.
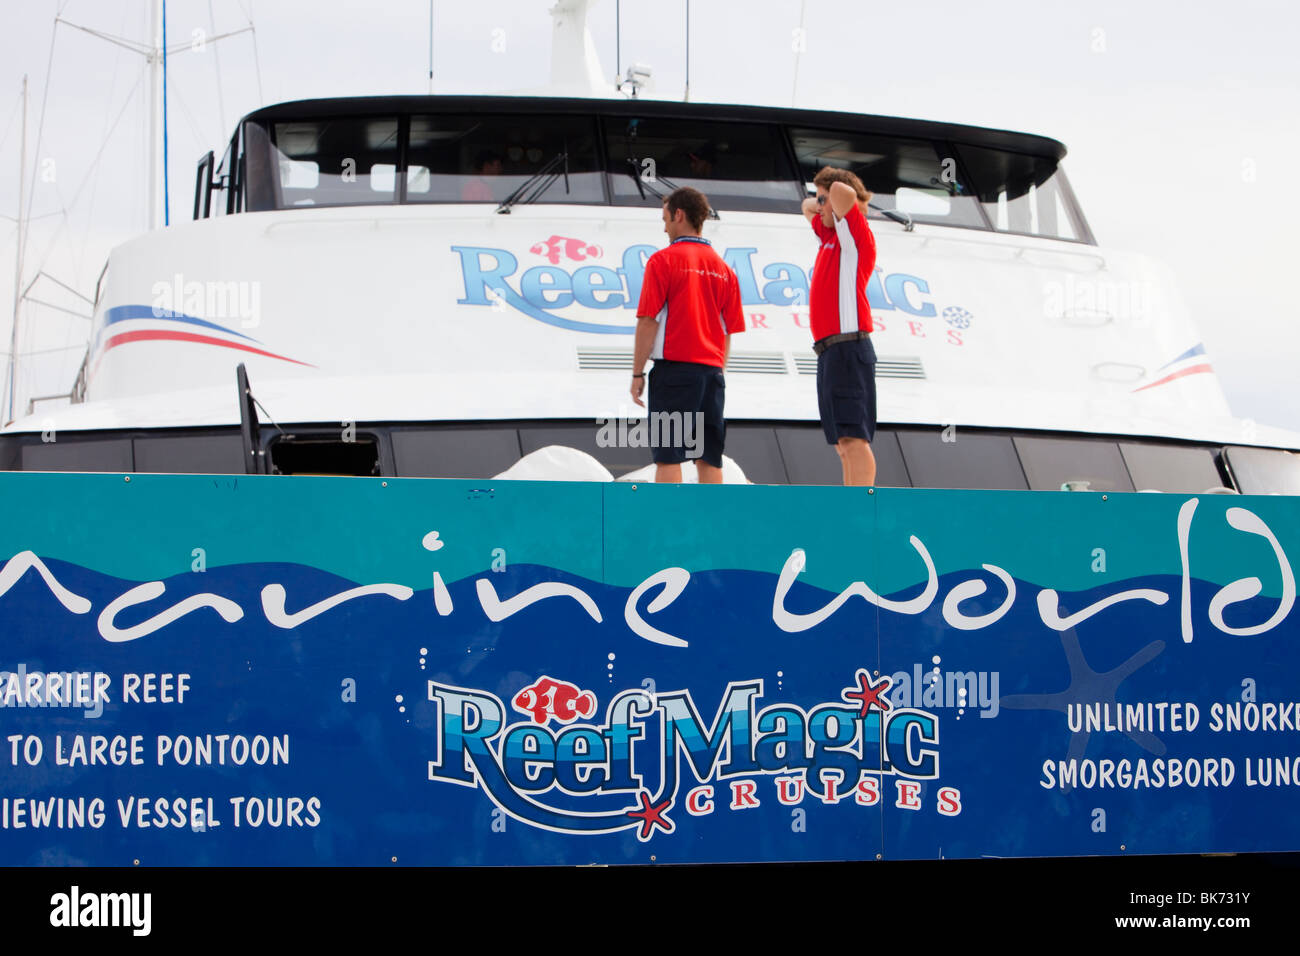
{"points": [[575, 250], [547, 698]]}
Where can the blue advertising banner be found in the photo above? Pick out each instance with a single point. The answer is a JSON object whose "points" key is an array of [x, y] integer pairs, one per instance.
{"points": [[205, 670]]}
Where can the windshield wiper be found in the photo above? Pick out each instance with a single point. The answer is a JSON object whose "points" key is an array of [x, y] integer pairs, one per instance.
{"points": [[642, 184], [900, 217], [537, 184]]}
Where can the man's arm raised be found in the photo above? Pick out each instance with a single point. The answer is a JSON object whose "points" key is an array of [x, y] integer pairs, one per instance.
{"points": [[842, 199]]}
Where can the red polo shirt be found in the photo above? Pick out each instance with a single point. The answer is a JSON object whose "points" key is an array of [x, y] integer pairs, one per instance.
{"points": [[838, 298], [695, 298]]}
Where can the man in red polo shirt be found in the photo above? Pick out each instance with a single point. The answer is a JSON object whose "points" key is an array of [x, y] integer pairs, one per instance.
{"points": [[689, 308], [841, 320]]}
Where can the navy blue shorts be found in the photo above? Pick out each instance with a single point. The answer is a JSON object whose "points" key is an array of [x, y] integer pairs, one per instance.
{"points": [[686, 421], [846, 390]]}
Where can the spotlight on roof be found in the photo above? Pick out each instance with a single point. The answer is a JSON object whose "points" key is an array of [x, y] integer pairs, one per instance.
{"points": [[636, 78]]}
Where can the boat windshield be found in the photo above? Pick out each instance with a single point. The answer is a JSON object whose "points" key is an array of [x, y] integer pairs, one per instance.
{"points": [[761, 165]]}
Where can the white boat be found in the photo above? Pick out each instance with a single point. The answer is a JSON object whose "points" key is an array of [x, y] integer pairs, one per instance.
{"points": [[440, 286], [400, 314]]}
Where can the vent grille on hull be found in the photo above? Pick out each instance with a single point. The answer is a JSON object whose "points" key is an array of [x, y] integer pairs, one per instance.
{"points": [[889, 366], [753, 363]]}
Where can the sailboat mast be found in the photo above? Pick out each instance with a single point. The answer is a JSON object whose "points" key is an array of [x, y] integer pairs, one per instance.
{"points": [[18, 258]]}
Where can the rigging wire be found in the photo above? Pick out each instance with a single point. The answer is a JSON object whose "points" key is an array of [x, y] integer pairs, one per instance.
{"points": [[40, 126], [94, 188], [798, 53], [93, 166], [199, 135], [216, 60], [89, 177], [16, 331], [10, 122], [257, 63]]}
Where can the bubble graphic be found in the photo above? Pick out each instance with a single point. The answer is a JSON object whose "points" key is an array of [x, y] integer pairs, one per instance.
{"points": [[401, 709]]}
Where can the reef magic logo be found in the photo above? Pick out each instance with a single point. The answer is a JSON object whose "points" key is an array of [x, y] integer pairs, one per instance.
{"points": [[653, 754], [492, 277]]}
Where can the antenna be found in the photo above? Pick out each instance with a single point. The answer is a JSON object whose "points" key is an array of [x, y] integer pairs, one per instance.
{"points": [[798, 54], [167, 212], [686, 94]]}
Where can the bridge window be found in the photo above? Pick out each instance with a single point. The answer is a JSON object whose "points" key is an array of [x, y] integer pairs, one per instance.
{"points": [[546, 159], [324, 162], [909, 176], [737, 165], [1024, 194]]}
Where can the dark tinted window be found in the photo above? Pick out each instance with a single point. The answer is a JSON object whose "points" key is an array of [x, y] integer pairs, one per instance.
{"points": [[11, 454], [907, 175], [325, 162], [191, 454], [1050, 462], [754, 449], [809, 460], [1262, 471], [456, 452], [325, 454], [891, 472], [619, 461], [1022, 193], [737, 165], [971, 459], [74, 455], [1173, 468], [487, 158]]}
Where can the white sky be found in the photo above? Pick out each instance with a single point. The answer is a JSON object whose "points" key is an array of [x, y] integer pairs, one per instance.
{"points": [[1182, 119]]}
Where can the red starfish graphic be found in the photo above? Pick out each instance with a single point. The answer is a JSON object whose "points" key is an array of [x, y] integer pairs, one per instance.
{"points": [[651, 816], [868, 693]]}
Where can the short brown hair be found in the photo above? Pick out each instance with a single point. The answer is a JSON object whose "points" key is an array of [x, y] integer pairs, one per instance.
{"points": [[692, 202], [830, 174]]}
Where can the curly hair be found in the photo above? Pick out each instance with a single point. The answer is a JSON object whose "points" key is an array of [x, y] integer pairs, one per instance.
{"points": [[831, 174]]}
